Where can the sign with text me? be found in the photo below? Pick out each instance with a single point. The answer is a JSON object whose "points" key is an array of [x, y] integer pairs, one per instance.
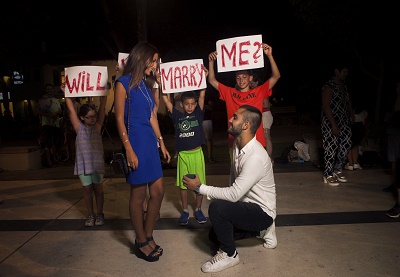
{"points": [[240, 53], [182, 76]]}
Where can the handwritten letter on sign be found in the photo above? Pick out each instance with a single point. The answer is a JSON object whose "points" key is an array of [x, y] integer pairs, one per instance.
{"points": [[83, 81], [182, 76], [122, 57], [240, 53]]}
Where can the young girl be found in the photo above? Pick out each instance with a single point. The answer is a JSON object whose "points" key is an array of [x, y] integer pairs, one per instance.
{"points": [[89, 157]]}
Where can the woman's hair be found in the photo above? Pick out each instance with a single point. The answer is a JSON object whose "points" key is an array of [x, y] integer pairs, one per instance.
{"points": [[253, 115], [85, 108], [140, 56]]}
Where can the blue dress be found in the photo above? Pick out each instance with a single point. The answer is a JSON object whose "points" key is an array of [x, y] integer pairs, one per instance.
{"points": [[140, 103]]}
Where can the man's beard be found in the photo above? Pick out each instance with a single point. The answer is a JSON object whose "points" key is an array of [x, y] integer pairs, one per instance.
{"points": [[235, 131]]}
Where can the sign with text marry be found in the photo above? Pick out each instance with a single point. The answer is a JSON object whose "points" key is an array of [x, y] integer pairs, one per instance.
{"points": [[240, 53], [122, 57], [83, 81], [182, 76]]}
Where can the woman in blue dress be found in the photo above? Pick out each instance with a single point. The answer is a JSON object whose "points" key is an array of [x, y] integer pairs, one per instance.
{"points": [[140, 135]]}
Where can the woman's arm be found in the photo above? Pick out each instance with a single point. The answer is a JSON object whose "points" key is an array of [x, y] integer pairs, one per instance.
{"points": [[119, 105], [102, 112], [160, 139]]}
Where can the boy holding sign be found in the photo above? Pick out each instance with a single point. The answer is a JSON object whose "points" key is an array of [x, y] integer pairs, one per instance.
{"points": [[189, 138], [245, 94]]}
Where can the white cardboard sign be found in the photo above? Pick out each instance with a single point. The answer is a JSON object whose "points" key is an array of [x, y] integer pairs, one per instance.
{"points": [[182, 76], [240, 53], [83, 81], [122, 57]]}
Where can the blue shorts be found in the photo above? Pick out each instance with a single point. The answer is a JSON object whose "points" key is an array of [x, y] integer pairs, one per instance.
{"points": [[88, 179]]}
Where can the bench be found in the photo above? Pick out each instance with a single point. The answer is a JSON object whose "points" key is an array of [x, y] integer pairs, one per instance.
{"points": [[20, 158], [285, 115]]}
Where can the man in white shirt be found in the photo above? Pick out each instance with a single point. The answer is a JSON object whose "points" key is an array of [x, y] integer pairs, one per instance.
{"points": [[247, 208]]}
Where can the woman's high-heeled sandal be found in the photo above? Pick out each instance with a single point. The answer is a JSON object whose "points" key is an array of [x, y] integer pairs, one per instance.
{"points": [[157, 248], [152, 257], [330, 180]]}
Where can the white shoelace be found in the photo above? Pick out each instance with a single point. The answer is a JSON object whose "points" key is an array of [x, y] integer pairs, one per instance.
{"points": [[218, 257]]}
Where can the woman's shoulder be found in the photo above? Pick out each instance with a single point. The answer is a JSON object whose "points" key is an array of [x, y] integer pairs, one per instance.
{"points": [[124, 78]]}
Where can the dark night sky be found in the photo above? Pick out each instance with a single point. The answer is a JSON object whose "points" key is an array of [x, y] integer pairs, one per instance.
{"points": [[188, 29]]}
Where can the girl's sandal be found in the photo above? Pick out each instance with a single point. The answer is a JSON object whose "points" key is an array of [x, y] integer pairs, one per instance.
{"points": [[157, 248]]}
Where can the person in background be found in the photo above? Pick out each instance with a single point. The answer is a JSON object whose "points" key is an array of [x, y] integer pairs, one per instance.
{"points": [[246, 208], [69, 132], [141, 137], [335, 125], [393, 139], [89, 155], [50, 111], [359, 132], [267, 120], [189, 139], [208, 125], [244, 94], [393, 153]]}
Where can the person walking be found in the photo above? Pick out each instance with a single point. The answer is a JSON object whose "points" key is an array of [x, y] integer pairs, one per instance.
{"points": [[246, 208], [335, 125], [140, 135], [89, 155]]}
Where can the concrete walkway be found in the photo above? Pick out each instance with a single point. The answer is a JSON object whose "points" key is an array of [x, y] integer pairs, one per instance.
{"points": [[321, 230]]}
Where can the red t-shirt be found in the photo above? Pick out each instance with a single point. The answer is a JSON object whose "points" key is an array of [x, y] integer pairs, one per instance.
{"points": [[234, 99]]}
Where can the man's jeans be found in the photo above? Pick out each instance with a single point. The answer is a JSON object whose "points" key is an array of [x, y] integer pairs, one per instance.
{"points": [[234, 221]]}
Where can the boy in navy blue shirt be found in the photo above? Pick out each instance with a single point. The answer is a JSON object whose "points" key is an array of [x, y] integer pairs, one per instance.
{"points": [[189, 139]]}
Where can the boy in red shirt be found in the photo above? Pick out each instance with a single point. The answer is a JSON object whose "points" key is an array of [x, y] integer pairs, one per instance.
{"points": [[244, 93]]}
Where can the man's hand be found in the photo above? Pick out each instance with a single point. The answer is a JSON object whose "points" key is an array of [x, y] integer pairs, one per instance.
{"points": [[191, 183]]}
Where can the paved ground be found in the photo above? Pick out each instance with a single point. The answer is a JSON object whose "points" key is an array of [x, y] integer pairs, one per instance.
{"points": [[321, 230]]}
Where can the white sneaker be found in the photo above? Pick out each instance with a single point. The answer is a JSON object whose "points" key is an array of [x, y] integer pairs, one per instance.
{"points": [[269, 235], [357, 166], [220, 262]]}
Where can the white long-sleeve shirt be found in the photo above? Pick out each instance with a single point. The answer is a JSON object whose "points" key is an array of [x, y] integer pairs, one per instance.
{"points": [[251, 179]]}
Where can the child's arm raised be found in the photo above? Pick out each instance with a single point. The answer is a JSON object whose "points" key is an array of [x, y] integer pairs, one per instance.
{"points": [[274, 68], [211, 75], [203, 91], [102, 112], [167, 101], [73, 116]]}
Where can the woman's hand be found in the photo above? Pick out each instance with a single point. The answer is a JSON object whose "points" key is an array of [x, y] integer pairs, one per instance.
{"points": [[165, 152], [131, 158]]}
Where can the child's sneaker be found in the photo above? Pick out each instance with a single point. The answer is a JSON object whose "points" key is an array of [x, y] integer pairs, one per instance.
{"points": [[200, 216], [395, 211], [99, 220], [184, 219], [220, 262], [90, 221]]}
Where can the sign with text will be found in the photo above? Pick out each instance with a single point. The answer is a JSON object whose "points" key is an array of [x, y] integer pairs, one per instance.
{"points": [[83, 81]]}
